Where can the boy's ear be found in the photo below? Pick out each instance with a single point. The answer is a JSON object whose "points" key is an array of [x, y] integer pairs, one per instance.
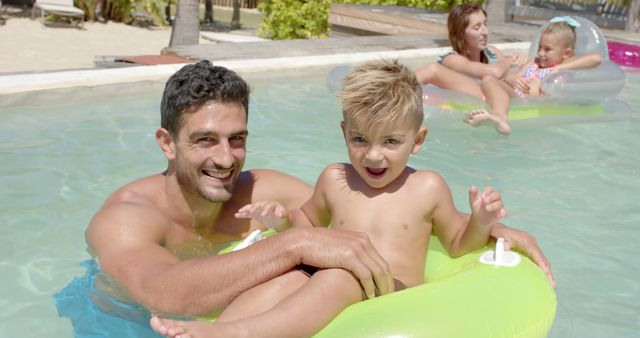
{"points": [[420, 137], [166, 143], [342, 127]]}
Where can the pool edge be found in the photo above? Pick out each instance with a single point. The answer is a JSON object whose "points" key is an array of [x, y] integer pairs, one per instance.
{"points": [[19, 83]]}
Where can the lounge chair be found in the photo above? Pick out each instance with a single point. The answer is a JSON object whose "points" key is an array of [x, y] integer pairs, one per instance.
{"points": [[57, 7]]}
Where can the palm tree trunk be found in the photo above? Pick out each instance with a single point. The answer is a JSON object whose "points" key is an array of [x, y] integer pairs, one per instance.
{"points": [[186, 27], [208, 11], [235, 18]]}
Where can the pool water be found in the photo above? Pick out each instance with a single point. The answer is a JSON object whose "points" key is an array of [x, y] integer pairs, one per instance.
{"points": [[573, 186]]}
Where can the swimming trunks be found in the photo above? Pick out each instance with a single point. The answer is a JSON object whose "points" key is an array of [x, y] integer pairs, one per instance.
{"points": [[96, 314]]}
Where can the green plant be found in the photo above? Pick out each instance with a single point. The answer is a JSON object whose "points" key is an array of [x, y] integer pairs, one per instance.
{"points": [[122, 10], [304, 19], [294, 19], [441, 5]]}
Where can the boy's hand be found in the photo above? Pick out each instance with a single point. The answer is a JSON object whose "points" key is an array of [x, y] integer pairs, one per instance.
{"points": [[270, 213], [486, 208]]}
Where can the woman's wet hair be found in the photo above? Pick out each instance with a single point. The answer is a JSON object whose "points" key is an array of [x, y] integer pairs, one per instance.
{"points": [[457, 23]]}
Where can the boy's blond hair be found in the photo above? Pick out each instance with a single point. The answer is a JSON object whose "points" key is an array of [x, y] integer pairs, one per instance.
{"points": [[565, 32], [381, 92]]}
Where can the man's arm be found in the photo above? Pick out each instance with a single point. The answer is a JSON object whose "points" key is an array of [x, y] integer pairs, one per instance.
{"points": [[133, 253], [525, 243], [129, 241]]}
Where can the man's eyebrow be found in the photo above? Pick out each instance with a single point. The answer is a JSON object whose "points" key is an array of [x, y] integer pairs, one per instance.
{"points": [[200, 133]]}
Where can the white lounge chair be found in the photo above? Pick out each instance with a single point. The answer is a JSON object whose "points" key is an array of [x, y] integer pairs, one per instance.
{"points": [[58, 7]]}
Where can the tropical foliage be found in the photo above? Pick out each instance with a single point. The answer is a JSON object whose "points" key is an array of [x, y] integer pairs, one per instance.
{"points": [[123, 10], [443, 5], [294, 19], [304, 19]]}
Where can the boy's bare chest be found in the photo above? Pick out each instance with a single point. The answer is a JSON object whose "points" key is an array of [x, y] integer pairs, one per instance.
{"points": [[382, 215]]}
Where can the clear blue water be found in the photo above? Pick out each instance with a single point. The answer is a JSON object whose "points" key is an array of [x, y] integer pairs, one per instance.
{"points": [[573, 186]]}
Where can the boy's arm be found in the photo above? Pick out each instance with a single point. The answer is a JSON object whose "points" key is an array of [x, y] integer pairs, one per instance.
{"points": [[458, 233], [271, 214], [316, 210], [579, 62]]}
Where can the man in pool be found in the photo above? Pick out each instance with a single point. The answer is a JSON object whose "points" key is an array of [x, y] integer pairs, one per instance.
{"points": [[158, 237]]}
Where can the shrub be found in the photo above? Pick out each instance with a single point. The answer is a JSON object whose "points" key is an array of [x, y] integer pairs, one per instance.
{"points": [[294, 19], [304, 19]]}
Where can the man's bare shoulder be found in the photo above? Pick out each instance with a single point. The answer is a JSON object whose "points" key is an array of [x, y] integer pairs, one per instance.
{"points": [[142, 191], [132, 209]]}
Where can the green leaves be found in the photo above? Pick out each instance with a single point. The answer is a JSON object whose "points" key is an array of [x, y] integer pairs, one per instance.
{"points": [[294, 19]]}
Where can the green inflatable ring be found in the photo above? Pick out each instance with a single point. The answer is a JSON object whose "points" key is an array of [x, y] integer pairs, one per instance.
{"points": [[461, 298]]}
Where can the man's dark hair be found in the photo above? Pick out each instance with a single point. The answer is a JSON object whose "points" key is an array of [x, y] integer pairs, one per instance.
{"points": [[196, 84]]}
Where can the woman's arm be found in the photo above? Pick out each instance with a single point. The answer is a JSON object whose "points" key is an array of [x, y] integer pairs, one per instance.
{"points": [[476, 69]]}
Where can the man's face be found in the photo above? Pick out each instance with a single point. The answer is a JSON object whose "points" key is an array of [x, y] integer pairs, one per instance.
{"points": [[210, 150]]}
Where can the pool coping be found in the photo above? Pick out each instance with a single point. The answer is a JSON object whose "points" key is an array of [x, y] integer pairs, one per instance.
{"points": [[20, 83]]}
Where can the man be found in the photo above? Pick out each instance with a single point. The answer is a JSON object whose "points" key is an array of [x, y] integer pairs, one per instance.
{"points": [[158, 237]]}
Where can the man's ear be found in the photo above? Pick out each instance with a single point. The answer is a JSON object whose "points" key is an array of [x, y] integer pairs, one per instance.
{"points": [[166, 143], [420, 137]]}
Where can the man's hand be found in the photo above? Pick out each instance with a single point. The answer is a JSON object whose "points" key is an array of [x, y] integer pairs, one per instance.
{"points": [[352, 251], [270, 213], [525, 243]]}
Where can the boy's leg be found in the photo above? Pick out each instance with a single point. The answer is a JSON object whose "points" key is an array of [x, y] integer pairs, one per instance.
{"points": [[264, 296], [443, 77], [252, 302], [498, 95], [301, 314]]}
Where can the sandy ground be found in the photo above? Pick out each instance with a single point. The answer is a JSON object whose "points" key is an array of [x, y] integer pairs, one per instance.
{"points": [[29, 46]]}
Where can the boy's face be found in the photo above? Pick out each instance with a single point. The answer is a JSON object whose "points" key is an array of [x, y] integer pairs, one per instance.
{"points": [[552, 50], [380, 154], [209, 151]]}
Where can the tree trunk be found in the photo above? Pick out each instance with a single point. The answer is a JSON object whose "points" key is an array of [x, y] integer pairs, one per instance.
{"points": [[496, 11], [235, 18], [186, 27], [208, 11], [633, 17]]}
